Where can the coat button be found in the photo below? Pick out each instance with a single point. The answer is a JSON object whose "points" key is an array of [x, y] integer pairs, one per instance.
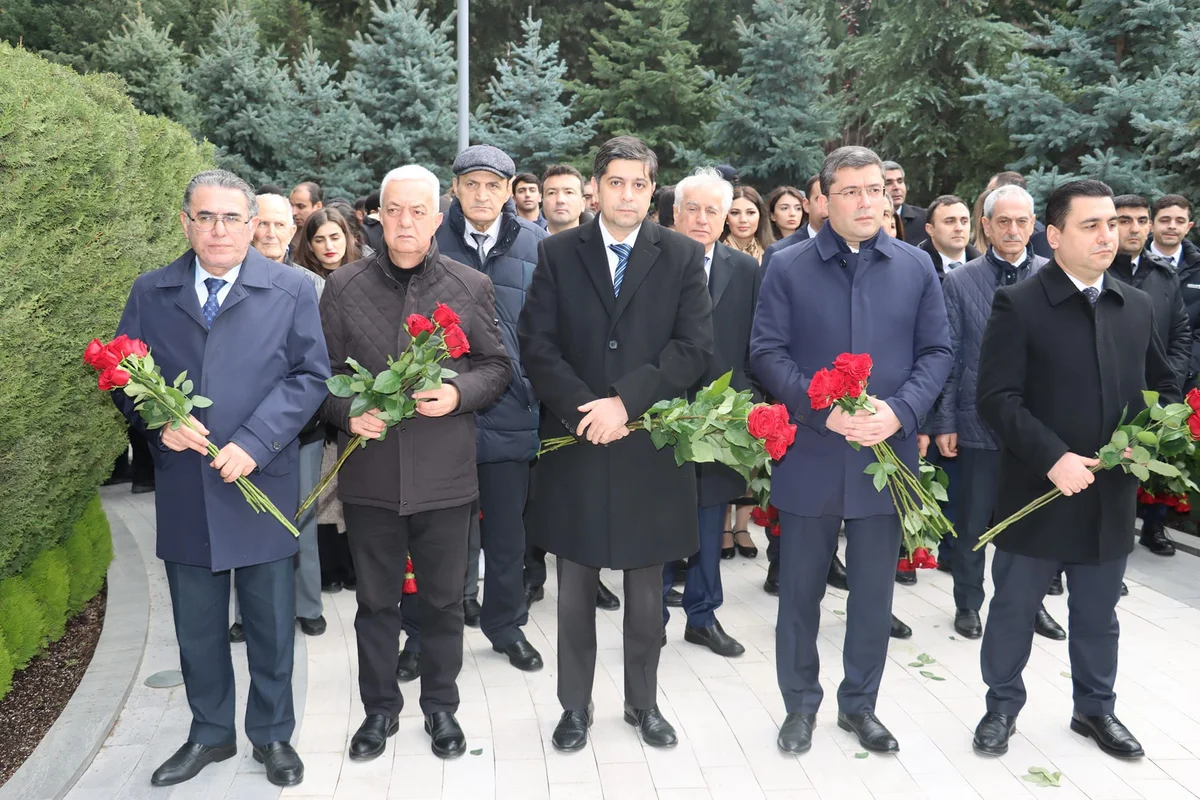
{"points": [[612, 344], [275, 445], [404, 504]]}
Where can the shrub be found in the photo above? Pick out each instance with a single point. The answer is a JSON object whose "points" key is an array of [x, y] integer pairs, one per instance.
{"points": [[6, 668], [22, 621], [50, 580], [89, 552]]}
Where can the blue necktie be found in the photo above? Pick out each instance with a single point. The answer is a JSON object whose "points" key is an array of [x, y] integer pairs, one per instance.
{"points": [[622, 251], [1092, 294], [212, 305]]}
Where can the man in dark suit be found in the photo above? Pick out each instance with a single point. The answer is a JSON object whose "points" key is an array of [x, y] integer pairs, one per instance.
{"points": [[816, 212], [1066, 354], [913, 216], [617, 318], [197, 315], [851, 289], [701, 203]]}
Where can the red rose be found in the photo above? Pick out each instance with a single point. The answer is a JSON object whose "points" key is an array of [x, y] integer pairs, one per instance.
{"points": [[1185, 506], [905, 565], [773, 530], [444, 316], [772, 513], [760, 517], [456, 341], [777, 446], [819, 394], [842, 384], [1193, 399], [1194, 425], [112, 378], [766, 421], [857, 366], [92, 353], [417, 325]]}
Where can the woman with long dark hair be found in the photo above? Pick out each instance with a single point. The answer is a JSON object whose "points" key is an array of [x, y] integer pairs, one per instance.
{"points": [[328, 242], [785, 204], [746, 226]]}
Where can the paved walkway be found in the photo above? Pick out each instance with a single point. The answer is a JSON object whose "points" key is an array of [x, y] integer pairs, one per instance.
{"points": [[726, 711]]}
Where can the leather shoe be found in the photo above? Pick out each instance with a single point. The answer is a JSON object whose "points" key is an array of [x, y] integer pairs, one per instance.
{"points": [[237, 634], [993, 732], [284, 767], [673, 598], [447, 740], [571, 732], [141, 487], [679, 572], [371, 737], [471, 612], [966, 622], [333, 587], [188, 761], [945, 566], [1056, 585], [533, 594], [606, 599], [409, 667], [1155, 540], [1124, 589], [312, 627], [795, 734], [522, 655], [906, 577], [1112, 737], [871, 733], [771, 584], [837, 574], [714, 638], [655, 730], [1044, 625], [899, 629]]}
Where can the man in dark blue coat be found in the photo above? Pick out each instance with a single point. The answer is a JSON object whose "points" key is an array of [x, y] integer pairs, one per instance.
{"points": [[851, 289], [199, 314]]}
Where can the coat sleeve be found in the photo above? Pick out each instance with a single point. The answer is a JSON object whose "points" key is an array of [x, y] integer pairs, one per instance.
{"points": [[686, 355], [945, 414], [1179, 343], [756, 387], [291, 402], [1003, 360], [335, 410], [1162, 365], [932, 361], [491, 369]]}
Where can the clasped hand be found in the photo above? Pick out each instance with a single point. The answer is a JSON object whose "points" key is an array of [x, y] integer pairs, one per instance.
{"points": [[604, 421], [232, 461], [863, 427]]}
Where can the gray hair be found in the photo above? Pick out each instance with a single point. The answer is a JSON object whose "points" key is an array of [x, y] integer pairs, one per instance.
{"points": [[287, 204], [849, 157], [415, 172], [219, 179], [1011, 190], [705, 177], [892, 166]]}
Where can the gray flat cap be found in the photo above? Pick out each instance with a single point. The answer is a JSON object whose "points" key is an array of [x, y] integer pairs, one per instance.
{"points": [[484, 156]]}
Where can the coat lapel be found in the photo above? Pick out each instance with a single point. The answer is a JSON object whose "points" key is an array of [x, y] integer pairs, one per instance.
{"points": [[595, 263], [645, 252], [179, 273], [721, 273], [255, 274]]}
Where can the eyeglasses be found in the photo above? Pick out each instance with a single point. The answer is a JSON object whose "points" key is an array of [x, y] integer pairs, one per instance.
{"points": [[205, 221], [856, 192]]}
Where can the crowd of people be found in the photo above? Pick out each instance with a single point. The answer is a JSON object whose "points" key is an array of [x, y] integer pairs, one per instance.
{"points": [[1004, 349]]}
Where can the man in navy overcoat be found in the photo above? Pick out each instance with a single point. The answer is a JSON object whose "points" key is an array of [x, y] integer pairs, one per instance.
{"points": [[850, 289], [248, 333]]}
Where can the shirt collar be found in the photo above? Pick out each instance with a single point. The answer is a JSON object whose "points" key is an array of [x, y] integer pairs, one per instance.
{"points": [[1172, 260], [812, 234], [1080, 285], [609, 239], [202, 274], [1001, 260], [492, 233], [947, 260]]}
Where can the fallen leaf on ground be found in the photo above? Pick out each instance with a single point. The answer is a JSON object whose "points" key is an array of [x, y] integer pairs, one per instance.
{"points": [[861, 755], [1040, 776], [927, 674]]}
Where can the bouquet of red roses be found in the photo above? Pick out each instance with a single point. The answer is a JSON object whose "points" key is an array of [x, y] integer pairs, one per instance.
{"points": [[767, 518], [126, 364], [418, 369], [915, 497]]}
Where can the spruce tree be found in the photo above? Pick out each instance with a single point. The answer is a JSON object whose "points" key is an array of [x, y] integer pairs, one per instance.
{"points": [[525, 115], [1166, 121], [403, 79], [152, 67]]}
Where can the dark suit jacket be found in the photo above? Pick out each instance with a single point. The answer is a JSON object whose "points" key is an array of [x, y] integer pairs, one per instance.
{"points": [[625, 505], [914, 224], [787, 241], [1158, 279], [1055, 375], [936, 257]]}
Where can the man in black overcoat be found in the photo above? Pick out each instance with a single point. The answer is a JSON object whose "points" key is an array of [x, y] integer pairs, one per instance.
{"points": [[617, 318], [1064, 355]]}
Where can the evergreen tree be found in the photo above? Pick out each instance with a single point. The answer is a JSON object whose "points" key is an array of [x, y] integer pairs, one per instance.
{"points": [[152, 68], [1166, 121], [646, 80], [403, 79], [526, 116]]}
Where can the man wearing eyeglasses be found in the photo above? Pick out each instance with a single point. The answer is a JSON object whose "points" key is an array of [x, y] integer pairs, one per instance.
{"points": [[850, 289], [247, 332]]}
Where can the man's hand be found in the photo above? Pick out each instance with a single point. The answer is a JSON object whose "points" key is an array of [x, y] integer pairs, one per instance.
{"points": [[437, 402], [947, 444], [604, 421], [1071, 475], [922, 444], [837, 419], [368, 425], [871, 429], [184, 438], [234, 463]]}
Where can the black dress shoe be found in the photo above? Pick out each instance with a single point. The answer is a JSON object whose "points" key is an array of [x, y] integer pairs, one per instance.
{"points": [[409, 667], [606, 599], [871, 733], [966, 622], [906, 577], [237, 634], [714, 638], [471, 612], [1124, 589], [993, 732], [655, 731], [1155, 540], [141, 487], [795, 734], [679, 572], [522, 655], [117, 479], [745, 550], [1044, 625], [899, 629], [1113, 737], [771, 584], [333, 587], [837, 574], [446, 738], [533, 594], [728, 552], [673, 598], [188, 761], [945, 566], [369, 741], [284, 767], [1056, 586], [350, 582], [571, 732], [312, 627]]}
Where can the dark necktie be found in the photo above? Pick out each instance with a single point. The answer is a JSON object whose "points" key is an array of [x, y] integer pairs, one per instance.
{"points": [[622, 250], [954, 265], [1092, 294], [212, 305], [480, 240]]}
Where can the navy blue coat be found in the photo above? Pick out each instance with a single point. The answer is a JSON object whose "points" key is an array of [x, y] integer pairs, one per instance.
{"points": [[507, 429], [264, 365], [799, 236], [811, 310]]}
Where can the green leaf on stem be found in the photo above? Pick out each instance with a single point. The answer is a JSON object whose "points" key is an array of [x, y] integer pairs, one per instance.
{"points": [[702, 452], [1150, 398], [387, 382], [179, 379], [360, 405], [1161, 468], [447, 374], [880, 479], [339, 385], [1140, 455], [1120, 440], [939, 493], [187, 387], [1147, 438], [200, 401], [1140, 471]]}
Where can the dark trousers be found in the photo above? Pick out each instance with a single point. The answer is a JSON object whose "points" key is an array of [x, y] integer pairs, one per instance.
{"points": [[535, 566], [702, 594], [1153, 516], [806, 546], [139, 468], [336, 562], [380, 540], [1093, 592], [200, 606], [978, 474], [773, 550], [642, 631]]}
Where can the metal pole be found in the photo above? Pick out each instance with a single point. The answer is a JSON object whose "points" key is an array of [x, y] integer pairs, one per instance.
{"points": [[464, 105]]}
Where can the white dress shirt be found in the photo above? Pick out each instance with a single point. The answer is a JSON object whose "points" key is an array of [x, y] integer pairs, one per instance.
{"points": [[1172, 260], [947, 260], [708, 257], [608, 238], [202, 290], [1080, 285], [811, 233], [1133, 263], [492, 234]]}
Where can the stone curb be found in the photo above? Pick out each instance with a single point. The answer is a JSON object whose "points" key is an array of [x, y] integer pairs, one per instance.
{"points": [[77, 735]]}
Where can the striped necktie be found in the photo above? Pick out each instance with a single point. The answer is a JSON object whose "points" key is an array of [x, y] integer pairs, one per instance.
{"points": [[622, 251]]}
